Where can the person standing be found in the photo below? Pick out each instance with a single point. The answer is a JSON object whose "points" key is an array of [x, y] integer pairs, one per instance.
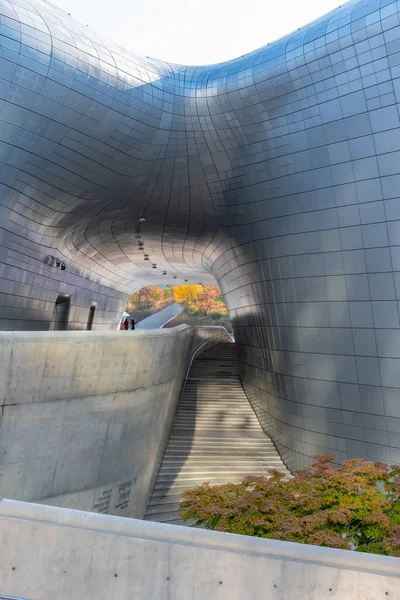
{"points": [[134, 324], [126, 324]]}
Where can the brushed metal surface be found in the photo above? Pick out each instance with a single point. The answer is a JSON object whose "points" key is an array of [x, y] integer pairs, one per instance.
{"points": [[276, 173]]}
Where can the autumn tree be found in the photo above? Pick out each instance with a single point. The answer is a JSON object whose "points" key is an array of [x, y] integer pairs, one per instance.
{"points": [[354, 506], [168, 293], [146, 297], [187, 295], [207, 299], [199, 298]]}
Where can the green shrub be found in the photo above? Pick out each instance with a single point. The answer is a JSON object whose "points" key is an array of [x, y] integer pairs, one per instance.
{"points": [[353, 506], [215, 316]]}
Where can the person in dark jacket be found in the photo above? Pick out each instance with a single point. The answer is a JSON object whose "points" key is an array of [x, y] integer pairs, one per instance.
{"points": [[134, 324], [126, 324]]}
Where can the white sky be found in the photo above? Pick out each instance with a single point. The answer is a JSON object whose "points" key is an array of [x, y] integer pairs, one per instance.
{"points": [[195, 31]]}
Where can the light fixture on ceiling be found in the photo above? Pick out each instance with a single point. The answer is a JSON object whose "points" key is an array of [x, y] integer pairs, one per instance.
{"points": [[142, 220], [60, 265], [154, 266], [164, 272]]}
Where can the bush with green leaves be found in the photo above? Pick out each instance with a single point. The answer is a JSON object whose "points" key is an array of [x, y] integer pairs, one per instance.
{"points": [[353, 506], [216, 316]]}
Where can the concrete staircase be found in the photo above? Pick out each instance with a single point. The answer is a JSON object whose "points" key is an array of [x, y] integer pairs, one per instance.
{"points": [[215, 436]]}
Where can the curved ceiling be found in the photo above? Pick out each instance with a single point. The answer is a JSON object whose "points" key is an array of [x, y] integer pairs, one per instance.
{"points": [[129, 137]]}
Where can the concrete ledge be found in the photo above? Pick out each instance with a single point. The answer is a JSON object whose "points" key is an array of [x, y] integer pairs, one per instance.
{"points": [[49, 336], [48, 553], [330, 557]]}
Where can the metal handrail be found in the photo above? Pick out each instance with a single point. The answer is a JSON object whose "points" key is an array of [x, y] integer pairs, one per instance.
{"points": [[11, 598]]}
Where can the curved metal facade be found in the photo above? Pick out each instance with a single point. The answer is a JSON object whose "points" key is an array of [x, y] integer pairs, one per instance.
{"points": [[278, 174]]}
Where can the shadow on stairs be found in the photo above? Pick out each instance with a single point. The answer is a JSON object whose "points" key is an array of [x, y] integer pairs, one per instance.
{"points": [[215, 436]]}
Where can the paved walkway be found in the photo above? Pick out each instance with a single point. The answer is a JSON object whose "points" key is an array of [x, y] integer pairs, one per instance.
{"points": [[159, 319]]}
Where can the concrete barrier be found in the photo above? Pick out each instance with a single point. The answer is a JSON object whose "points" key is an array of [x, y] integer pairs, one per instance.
{"points": [[85, 415], [49, 553]]}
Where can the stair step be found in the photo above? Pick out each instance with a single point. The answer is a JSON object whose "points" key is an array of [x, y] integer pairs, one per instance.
{"points": [[216, 454], [218, 440], [228, 440], [213, 406], [205, 472], [163, 517], [172, 521], [164, 488], [205, 427], [167, 508], [209, 393], [158, 501], [179, 487], [166, 492], [217, 417], [202, 476], [216, 423], [197, 465], [222, 450], [215, 412], [215, 470], [213, 451], [215, 458]]}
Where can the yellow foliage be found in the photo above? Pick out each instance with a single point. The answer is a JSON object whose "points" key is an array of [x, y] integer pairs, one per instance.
{"points": [[200, 298], [187, 294]]}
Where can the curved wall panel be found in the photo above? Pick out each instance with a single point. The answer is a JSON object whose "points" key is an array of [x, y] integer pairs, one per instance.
{"points": [[277, 174]]}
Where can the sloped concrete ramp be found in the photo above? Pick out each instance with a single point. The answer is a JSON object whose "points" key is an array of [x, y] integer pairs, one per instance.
{"points": [[161, 318]]}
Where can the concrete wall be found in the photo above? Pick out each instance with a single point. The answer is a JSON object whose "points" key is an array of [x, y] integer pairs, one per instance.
{"points": [[85, 415], [49, 553]]}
